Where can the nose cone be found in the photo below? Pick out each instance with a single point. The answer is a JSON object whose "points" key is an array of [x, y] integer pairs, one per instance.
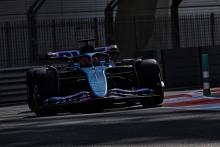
{"points": [[97, 80]]}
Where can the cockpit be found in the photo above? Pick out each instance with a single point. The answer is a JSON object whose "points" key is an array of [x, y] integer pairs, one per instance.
{"points": [[95, 59]]}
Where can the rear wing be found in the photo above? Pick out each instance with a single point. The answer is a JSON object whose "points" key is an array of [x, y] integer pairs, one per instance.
{"points": [[63, 54], [107, 49], [76, 53]]}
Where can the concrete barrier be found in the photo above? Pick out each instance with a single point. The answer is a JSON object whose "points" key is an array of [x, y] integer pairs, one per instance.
{"points": [[13, 84]]}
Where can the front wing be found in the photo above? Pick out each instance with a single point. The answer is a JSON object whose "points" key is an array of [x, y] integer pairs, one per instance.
{"points": [[114, 95]]}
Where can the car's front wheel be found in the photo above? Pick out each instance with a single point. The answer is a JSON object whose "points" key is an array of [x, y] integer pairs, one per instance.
{"points": [[149, 76]]}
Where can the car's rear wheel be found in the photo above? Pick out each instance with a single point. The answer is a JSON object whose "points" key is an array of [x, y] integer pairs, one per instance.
{"points": [[149, 75], [29, 84], [44, 85], [38, 106]]}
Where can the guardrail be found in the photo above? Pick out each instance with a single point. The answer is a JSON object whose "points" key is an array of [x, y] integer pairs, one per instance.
{"points": [[12, 84]]}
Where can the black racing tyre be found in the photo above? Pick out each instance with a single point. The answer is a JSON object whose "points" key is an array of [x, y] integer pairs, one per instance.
{"points": [[43, 83], [149, 75], [38, 107], [47, 81], [29, 86]]}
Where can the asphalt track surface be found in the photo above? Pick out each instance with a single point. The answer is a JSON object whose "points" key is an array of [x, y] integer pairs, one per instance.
{"points": [[125, 126]]}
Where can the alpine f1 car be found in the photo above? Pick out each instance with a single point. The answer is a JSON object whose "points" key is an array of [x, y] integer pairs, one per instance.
{"points": [[93, 80]]}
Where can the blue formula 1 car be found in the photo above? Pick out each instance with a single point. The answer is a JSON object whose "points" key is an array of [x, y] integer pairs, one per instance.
{"points": [[92, 80]]}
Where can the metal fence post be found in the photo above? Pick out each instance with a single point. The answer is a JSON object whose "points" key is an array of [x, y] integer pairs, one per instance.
{"points": [[96, 31], [8, 48], [135, 33], [54, 35], [212, 19], [32, 30], [109, 21], [33, 44], [175, 25]]}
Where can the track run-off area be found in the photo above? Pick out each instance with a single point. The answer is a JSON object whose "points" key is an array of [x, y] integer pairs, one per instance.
{"points": [[186, 118], [194, 100]]}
